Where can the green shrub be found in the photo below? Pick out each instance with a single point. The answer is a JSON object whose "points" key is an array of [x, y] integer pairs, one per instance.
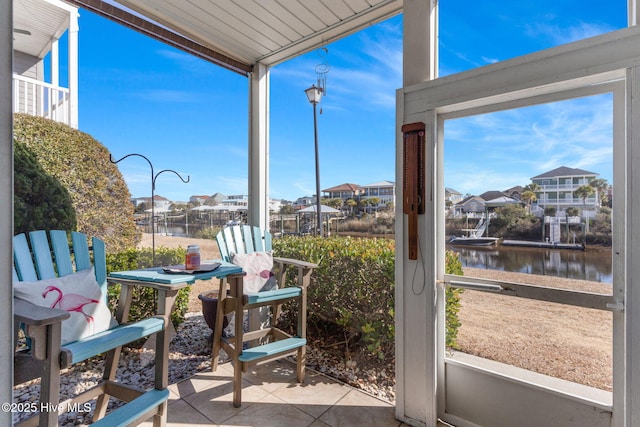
{"points": [[453, 265], [353, 286], [144, 299], [78, 163], [208, 233], [41, 202]]}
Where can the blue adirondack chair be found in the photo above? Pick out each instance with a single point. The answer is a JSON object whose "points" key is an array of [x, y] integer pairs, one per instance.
{"points": [[45, 356], [267, 343]]}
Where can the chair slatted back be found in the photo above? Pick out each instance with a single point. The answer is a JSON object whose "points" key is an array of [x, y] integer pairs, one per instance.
{"points": [[242, 239], [23, 267], [42, 254], [52, 257]]}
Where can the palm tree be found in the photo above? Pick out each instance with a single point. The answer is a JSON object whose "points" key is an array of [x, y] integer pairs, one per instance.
{"points": [[334, 203], [369, 202], [352, 204], [600, 185], [572, 211], [532, 187], [583, 192], [529, 197]]}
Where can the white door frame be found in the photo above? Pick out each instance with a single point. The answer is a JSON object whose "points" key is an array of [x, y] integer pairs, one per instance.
{"points": [[606, 63]]}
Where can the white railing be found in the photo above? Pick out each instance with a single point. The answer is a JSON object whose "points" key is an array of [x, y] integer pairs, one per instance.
{"points": [[40, 99], [568, 201], [567, 186]]}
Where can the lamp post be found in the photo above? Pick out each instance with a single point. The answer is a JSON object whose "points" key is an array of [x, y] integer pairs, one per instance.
{"points": [[153, 202], [314, 94]]}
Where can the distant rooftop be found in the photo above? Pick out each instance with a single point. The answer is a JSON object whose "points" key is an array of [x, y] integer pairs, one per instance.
{"points": [[564, 171], [342, 187]]}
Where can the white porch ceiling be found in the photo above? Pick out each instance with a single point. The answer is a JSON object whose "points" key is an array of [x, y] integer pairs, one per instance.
{"points": [[265, 31], [43, 20]]}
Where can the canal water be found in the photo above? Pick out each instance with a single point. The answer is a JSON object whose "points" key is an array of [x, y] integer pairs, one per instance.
{"points": [[585, 265]]}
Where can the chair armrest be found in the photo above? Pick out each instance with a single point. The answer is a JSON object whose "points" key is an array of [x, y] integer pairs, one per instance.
{"points": [[304, 271], [295, 262], [42, 324], [35, 315]]}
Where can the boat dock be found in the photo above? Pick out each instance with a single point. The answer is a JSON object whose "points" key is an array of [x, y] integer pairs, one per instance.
{"points": [[546, 245]]}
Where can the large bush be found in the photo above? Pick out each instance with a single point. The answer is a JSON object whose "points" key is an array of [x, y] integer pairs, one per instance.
{"points": [[515, 222], [144, 299], [453, 265], [41, 201], [354, 284], [55, 156]]}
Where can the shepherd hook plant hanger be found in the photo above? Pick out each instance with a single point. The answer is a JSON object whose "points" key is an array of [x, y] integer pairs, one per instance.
{"points": [[153, 190]]}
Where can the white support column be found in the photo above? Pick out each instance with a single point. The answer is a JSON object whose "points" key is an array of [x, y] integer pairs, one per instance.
{"points": [[73, 69], [6, 206], [416, 302], [629, 376], [420, 41], [633, 13], [55, 63], [258, 213], [632, 217]]}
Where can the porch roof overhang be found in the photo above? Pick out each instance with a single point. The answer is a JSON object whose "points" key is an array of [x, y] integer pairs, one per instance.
{"points": [[237, 35], [36, 23]]}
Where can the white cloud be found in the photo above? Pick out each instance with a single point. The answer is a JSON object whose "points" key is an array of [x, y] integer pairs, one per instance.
{"points": [[561, 35], [490, 60], [496, 151]]}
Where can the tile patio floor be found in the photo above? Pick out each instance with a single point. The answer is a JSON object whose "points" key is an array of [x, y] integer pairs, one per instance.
{"points": [[271, 396]]}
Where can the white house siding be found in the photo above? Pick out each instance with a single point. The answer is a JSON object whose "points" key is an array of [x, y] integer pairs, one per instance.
{"points": [[386, 192], [27, 66]]}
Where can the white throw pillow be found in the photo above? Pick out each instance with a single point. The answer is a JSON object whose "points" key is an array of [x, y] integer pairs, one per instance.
{"points": [[257, 266], [77, 293]]}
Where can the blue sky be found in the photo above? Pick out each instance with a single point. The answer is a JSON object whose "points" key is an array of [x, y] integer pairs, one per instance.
{"points": [[140, 96]]}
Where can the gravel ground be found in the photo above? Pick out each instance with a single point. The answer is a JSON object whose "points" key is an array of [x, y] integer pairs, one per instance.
{"points": [[189, 353]]}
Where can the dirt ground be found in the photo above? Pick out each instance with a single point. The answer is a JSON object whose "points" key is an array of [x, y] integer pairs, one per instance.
{"points": [[565, 342]]}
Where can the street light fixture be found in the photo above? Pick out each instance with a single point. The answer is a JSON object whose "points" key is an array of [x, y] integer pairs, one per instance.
{"points": [[314, 94]]}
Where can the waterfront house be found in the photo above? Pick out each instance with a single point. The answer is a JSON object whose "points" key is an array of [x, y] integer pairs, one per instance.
{"points": [[452, 196], [491, 195], [384, 190], [470, 205], [344, 192], [215, 199], [514, 192], [198, 200], [38, 25], [558, 186], [303, 202]]}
